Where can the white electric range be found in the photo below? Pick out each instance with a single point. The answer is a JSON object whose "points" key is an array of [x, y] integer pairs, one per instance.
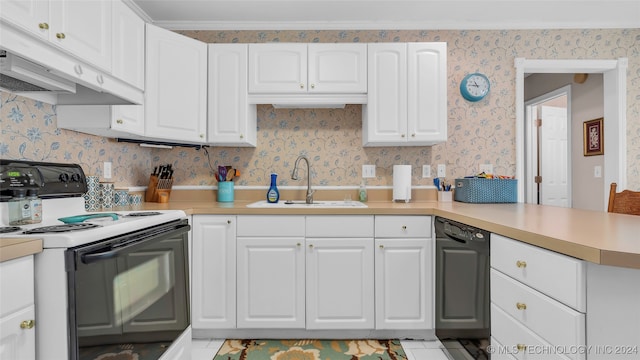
{"points": [[115, 283]]}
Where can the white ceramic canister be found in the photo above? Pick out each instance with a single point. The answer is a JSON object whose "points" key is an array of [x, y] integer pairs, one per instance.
{"points": [[107, 193], [92, 196]]}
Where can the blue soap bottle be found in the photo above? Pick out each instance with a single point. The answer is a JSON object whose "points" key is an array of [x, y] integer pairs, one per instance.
{"points": [[273, 195]]}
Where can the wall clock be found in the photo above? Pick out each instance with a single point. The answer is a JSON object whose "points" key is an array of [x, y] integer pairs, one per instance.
{"points": [[474, 87]]}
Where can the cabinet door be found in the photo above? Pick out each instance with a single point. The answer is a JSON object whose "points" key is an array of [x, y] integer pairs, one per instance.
{"points": [[404, 285], [271, 282], [232, 120], [337, 68], [128, 45], [17, 342], [176, 87], [278, 68], [83, 28], [385, 118], [214, 272], [340, 283], [427, 93], [29, 15], [128, 118]]}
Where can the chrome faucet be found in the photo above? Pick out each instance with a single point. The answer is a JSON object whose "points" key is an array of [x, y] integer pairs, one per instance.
{"points": [[294, 176]]}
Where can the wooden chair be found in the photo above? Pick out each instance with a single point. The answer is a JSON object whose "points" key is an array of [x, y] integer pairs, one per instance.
{"points": [[624, 202]]}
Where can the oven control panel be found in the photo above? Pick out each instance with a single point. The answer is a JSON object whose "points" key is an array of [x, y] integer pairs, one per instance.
{"points": [[52, 180]]}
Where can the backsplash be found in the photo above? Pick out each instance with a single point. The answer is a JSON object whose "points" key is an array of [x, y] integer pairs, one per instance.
{"points": [[478, 133]]}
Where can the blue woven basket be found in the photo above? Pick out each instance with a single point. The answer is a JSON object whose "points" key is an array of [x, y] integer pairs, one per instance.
{"points": [[486, 191]]}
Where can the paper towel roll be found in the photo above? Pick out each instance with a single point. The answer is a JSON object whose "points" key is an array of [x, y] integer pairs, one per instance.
{"points": [[402, 182]]}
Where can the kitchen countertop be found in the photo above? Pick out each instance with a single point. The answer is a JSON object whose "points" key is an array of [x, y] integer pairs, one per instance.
{"points": [[11, 248], [597, 237]]}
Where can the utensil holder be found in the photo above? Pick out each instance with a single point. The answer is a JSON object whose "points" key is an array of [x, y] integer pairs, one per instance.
{"points": [[157, 186], [225, 191]]}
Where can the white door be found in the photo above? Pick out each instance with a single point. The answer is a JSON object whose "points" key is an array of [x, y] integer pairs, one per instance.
{"points": [[337, 68], [16, 342], [277, 68], [84, 29], [554, 157], [176, 87], [271, 283], [232, 120], [213, 292], [404, 273], [386, 109], [340, 278], [427, 93], [30, 15], [128, 118]]}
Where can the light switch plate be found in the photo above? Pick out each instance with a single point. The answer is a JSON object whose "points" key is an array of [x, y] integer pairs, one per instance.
{"points": [[597, 171], [442, 170], [106, 173], [368, 171], [426, 171]]}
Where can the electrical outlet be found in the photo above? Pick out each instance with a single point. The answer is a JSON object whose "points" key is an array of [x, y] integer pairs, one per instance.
{"points": [[486, 168], [442, 170], [426, 171], [368, 171], [106, 173]]}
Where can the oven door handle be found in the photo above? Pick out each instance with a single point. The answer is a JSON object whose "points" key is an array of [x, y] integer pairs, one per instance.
{"points": [[113, 251]]}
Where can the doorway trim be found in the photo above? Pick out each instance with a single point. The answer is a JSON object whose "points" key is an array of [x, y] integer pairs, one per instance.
{"points": [[615, 113], [531, 143]]}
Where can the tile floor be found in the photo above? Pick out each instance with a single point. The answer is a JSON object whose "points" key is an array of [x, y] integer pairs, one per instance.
{"points": [[416, 350]]}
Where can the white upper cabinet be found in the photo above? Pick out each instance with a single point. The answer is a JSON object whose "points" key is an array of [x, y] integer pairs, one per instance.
{"points": [[232, 120], [407, 95], [307, 68], [128, 45], [82, 28], [176, 87]]}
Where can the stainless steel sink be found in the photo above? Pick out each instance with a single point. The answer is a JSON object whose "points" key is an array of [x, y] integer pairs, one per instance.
{"points": [[303, 205]]}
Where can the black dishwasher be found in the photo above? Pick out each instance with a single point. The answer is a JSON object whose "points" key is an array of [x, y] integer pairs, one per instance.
{"points": [[462, 281]]}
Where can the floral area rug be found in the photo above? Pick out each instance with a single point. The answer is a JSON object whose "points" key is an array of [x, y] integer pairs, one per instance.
{"points": [[311, 350]]}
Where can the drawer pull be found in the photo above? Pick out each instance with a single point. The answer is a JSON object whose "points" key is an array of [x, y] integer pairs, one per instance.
{"points": [[381, 246], [521, 306], [404, 227], [119, 121], [27, 324], [43, 26], [60, 36], [521, 347], [521, 264]]}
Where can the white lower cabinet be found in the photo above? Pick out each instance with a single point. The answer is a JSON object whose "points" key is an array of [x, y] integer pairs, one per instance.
{"points": [[213, 272], [17, 309], [538, 301], [404, 267]]}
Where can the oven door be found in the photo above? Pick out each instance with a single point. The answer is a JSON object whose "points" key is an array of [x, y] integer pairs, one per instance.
{"points": [[129, 294]]}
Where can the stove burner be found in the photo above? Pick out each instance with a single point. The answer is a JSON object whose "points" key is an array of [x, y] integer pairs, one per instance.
{"points": [[9, 229], [61, 228], [144, 213]]}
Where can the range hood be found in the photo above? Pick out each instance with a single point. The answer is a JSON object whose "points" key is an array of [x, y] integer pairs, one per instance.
{"points": [[19, 75]]}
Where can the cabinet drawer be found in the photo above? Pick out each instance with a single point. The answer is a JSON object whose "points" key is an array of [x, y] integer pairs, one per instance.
{"points": [[521, 342], [340, 226], [558, 276], [270, 225], [403, 226], [17, 284], [558, 324]]}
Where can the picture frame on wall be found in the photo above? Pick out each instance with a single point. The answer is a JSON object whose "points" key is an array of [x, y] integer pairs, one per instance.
{"points": [[593, 138]]}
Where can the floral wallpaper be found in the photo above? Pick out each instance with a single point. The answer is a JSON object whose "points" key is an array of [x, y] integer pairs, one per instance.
{"points": [[478, 133]]}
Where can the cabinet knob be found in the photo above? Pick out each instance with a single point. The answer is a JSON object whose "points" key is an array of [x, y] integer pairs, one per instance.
{"points": [[27, 324], [228, 221], [60, 36], [301, 86], [119, 121], [43, 26], [313, 86], [78, 69], [404, 227], [310, 246], [521, 264], [298, 244], [201, 136], [241, 136], [413, 135], [381, 246], [402, 135], [100, 79], [521, 347], [521, 306]]}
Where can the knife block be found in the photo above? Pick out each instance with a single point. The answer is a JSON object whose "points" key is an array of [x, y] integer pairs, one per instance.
{"points": [[156, 187]]}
